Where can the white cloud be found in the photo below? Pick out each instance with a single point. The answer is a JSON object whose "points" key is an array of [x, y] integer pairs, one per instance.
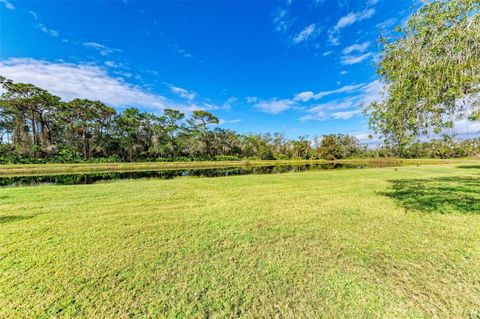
{"points": [[184, 53], [123, 73], [362, 95], [352, 59], [358, 47], [8, 5], [234, 121], [184, 93], [309, 95], [274, 106], [70, 81], [330, 110], [345, 115], [368, 138], [348, 20], [117, 65], [327, 53], [51, 32], [281, 21], [102, 49], [224, 106], [304, 96], [353, 17], [42, 27], [348, 107], [318, 116], [373, 91], [307, 33], [467, 128], [386, 24]]}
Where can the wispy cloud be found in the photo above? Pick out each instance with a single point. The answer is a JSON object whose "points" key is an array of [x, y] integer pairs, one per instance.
{"points": [[34, 15], [347, 107], [101, 48], [208, 105], [357, 47], [184, 93], [345, 115], [309, 95], [51, 32], [8, 5], [274, 106], [183, 53], [42, 27], [234, 121], [387, 23], [115, 64], [281, 20], [309, 32], [352, 18], [277, 105], [348, 20], [352, 59]]}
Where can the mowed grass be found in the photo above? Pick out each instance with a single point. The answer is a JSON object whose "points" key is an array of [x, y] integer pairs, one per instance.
{"points": [[372, 243]]}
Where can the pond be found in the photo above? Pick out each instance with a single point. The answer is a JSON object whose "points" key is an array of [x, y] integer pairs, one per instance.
{"points": [[90, 178]]}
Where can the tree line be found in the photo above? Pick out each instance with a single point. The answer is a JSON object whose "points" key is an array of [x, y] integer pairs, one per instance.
{"points": [[37, 126]]}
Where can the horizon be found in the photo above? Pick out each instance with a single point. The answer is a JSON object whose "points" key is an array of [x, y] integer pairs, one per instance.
{"points": [[298, 68]]}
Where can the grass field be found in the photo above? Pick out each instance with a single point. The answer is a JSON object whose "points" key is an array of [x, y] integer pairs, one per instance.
{"points": [[373, 243]]}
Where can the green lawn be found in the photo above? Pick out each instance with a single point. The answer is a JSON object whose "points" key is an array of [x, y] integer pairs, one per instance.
{"points": [[372, 243]]}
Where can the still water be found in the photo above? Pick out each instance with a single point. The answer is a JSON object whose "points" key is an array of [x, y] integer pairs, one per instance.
{"points": [[90, 178]]}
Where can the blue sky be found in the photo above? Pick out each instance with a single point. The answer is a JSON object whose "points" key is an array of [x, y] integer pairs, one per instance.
{"points": [[301, 68]]}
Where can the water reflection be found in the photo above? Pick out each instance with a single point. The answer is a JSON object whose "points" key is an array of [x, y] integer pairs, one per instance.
{"points": [[90, 178]]}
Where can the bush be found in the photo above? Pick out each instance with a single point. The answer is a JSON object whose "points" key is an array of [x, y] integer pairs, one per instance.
{"points": [[68, 156]]}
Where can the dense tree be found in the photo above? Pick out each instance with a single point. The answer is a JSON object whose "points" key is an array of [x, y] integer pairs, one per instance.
{"points": [[172, 127], [36, 126], [431, 69], [199, 127], [28, 112], [339, 146], [85, 121]]}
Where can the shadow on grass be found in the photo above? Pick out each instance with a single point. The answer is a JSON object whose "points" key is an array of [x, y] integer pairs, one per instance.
{"points": [[469, 166], [12, 218], [438, 195]]}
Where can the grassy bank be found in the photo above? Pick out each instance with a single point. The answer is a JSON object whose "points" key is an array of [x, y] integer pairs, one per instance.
{"points": [[375, 243], [29, 169]]}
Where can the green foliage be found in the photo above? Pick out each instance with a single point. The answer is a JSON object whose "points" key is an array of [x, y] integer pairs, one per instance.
{"points": [[443, 148], [431, 69], [37, 127], [332, 147]]}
